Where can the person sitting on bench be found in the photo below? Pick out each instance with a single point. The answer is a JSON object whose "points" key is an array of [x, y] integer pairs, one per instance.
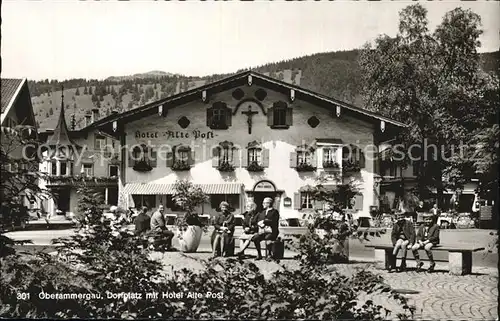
{"points": [[403, 235], [160, 231], [250, 227], [142, 222], [224, 225], [268, 222], [427, 238]]}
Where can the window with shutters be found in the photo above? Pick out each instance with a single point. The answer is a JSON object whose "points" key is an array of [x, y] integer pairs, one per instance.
{"points": [[255, 155], [88, 169], [219, 116], [224, 157], [280, 116], [256, 158], [142, 158], [113, 170], [306, 200], [182, 158], [100, 142], [304, 158], [330, 157], [353, 158]]}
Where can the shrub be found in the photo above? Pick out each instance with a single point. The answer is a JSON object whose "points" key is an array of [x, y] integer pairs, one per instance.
{"points": [[104, 257], [188, 198]]}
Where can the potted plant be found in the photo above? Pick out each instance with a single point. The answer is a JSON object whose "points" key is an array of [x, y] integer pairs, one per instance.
{"points": [[190, 226], [225, 167], [254, 167]]}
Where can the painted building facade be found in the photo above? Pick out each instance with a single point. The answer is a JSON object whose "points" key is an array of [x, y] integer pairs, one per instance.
{"points": [[244, 138]]}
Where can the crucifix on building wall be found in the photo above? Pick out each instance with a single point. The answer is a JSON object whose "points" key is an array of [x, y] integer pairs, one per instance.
{"points": [[249, 113]]}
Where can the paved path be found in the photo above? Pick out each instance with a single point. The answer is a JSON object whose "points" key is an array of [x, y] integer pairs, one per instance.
{"points": [[437, 295]]}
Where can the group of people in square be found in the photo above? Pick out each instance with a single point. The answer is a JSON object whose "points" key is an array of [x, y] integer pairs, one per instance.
{"points": [[404, 237], [257, 227]]}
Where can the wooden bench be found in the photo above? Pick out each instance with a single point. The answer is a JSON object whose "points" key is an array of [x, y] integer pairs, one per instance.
{"points": [[267, 243], [459, 256]]}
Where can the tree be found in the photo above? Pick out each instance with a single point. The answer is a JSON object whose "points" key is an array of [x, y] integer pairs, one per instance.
{"points": [[85, 90], [19, 172], [51, 111], [77, 92], [432, 82], [90, 90]]}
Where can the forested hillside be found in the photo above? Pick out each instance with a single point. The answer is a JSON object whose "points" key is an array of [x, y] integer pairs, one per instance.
{"points": [[335, 74]]}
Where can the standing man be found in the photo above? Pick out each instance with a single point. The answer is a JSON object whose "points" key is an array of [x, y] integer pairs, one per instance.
{"points": [[159, 228], [403, 236], [268, 222], [427, 238]]}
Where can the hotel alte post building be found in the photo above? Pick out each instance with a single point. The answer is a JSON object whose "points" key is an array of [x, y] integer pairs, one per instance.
{"points": [[247, 137]]}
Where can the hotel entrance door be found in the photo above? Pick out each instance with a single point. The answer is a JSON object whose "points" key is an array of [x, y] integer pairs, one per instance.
{"points": [[263, 189], [258, 198]]}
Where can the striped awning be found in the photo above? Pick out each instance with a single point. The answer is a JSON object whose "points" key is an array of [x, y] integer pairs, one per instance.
{"points": [[162, 189]]}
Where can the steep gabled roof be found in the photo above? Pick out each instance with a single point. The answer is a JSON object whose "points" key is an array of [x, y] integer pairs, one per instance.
{"points": [[239, 80], [61, 136], [10, 89]]}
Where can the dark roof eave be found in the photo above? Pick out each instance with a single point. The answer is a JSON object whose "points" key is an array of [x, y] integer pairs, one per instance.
{"points": [[187, 96]]}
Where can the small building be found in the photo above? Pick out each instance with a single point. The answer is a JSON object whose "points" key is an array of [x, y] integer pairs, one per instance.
{"points": [[17, 123], [244, 138], [399, 181], [73, 159]]}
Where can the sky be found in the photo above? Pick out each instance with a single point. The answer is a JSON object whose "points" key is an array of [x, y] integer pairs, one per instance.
{"points": [[97, 39]]}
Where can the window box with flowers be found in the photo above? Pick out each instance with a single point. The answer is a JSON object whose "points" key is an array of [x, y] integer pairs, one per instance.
{"points": [[331, 164], [142, 166], [225, 167], [353, 159], [255, 157], [180, 165], [303, 159], [224, 157], [254, 167], [351, 166], [305, 167], [142, 159]]}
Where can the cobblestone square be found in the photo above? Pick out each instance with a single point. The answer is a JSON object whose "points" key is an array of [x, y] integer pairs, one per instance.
{"points": [[436, 296]]}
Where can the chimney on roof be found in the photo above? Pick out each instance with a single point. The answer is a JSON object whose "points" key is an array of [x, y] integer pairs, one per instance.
{"points": [[95, 114], [88, 120]]}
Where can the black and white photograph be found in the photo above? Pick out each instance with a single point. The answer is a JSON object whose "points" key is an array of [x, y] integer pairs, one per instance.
{"points": [[250, 160]]}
